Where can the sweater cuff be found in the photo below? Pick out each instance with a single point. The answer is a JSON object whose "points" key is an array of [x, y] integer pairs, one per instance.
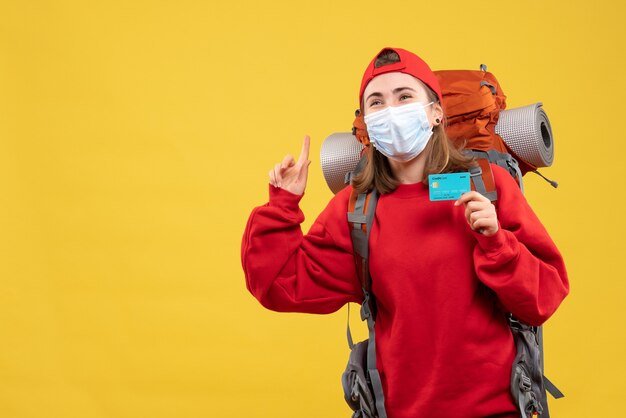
{"points": [[493, 244], [283, 199]]}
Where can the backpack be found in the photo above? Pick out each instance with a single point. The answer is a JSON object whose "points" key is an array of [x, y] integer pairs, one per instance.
{"points": [[473, 103]]}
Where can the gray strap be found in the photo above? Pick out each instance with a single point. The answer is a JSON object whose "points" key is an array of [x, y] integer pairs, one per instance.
{"points": [[348, 332], [476, 175], [544, 397], [552, 182], [523, 400], [373, 373], [356, 218], [526, 400], [371, 211], [539, 334], [549, 386], [500, 159], [347, 179], [357, 169], [515, 165], [368, 302], [492, 88], [359, 239], [553, 390], [359, 207], [476, 153], [507, 162]]}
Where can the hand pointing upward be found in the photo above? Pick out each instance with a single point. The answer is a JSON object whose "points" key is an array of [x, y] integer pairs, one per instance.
{"points": [[291, 175]]}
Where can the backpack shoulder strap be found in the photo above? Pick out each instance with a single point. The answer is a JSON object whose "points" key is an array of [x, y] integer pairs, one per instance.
{"points": [[482, 180], [484, 183], [482, 176], [361, 210]]}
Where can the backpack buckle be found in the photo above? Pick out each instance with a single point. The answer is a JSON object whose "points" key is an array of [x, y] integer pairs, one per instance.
{"points": [[525, 383], [476, 171], [357, 218]]}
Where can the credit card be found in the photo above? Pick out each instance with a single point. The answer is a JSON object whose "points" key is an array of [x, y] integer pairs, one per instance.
{"points": [[448, 186]]}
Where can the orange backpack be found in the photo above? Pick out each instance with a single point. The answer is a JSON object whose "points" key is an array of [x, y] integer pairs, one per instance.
{"points": [[472, 111]]}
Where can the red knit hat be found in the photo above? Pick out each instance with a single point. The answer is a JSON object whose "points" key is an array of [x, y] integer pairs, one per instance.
{"points": [[409, 64]]}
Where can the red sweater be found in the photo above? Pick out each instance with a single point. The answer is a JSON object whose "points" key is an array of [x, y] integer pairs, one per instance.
{"points": [[444, 348]]}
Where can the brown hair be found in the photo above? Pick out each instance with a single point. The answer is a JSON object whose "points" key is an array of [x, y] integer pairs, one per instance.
{"points": [[442, 155], [386, 57]]}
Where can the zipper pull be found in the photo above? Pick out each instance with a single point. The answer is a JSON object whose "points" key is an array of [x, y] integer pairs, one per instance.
{"points": [[552, 182]]}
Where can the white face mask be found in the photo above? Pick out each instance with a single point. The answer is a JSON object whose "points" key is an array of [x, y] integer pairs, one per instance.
{"points": [[400, 132]]}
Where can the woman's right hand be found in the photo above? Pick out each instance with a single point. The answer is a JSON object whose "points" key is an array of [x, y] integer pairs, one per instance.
{"points": [[291, 175]]}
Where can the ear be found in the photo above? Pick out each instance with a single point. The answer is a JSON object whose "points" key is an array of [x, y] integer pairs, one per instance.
{"points": [[437, 114]]}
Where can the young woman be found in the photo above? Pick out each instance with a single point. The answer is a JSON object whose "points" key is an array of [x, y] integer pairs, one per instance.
{"points": [[444, 273]]}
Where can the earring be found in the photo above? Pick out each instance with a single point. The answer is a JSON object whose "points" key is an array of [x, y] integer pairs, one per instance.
{"points": [[437, 120]]}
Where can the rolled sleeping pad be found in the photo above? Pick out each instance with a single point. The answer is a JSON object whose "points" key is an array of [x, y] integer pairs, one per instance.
{"points": [[339, 154], [526, 130]]}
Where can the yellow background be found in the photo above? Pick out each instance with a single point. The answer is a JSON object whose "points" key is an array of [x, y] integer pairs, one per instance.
{"points": [[136, 136]]}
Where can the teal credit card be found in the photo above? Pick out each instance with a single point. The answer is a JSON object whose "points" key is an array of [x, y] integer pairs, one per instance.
{"points": [[448, 186]]}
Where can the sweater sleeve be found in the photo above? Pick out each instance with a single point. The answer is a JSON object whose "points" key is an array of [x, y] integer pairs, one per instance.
{"points": [[291, 272], [520, 263]]}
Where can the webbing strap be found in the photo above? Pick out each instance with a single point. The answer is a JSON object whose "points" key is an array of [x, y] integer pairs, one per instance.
{"points": [[360, 203], [359, 237], [476, 176], [492, 88], [347, 179], [515, 165], [553, 390], [547, 384], [507, 162], [526, 399], [363, 215], [348, 332], [368, 308], [476, 173], [521, 405], [544, 398], [365, 275], [374, 375]]}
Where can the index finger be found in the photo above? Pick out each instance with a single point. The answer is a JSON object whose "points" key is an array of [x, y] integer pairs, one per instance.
{"points": [[468, 197], [304, 154]]}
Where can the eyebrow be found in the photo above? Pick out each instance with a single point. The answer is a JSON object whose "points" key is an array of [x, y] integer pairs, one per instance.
{"points": [[395, 91]]}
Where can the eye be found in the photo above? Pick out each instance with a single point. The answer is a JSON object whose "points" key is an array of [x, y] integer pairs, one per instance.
{"points": [[405, 96], [375, 102]]}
